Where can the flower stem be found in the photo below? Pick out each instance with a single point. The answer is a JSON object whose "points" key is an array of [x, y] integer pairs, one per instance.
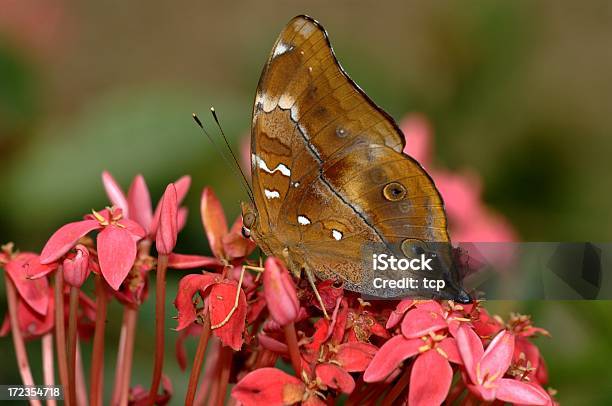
{"points": [[123, 369], [60, 333], [72, 341], [398, 388], [81, 388], [119, 365], [18, 343], [194, 377], [225, 361], [294, 351], [131, 314], [47, 356], [97, 356], [160, 302]]}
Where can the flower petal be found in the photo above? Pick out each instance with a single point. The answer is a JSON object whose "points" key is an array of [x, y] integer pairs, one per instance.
{"points": [[134, 228], [355, 356], [213, 220], [498, 355], [31, 323], [398, 314], [389, 356], [419, 322], [234, 244], [184, 261], [271, 344], [34, 292], [270, 387], [221, 300], [116, 254], [114, 193], [76, 268], [182, 187], [181, 218], [471, 349], [139, 203], [335, 377], [523, 393], [167, 230], [65, 238], [424, 390], [280, 292], [451, 352], [187, 288]]}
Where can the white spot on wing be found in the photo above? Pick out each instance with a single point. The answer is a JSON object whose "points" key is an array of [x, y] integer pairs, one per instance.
{"points": [[336, 234], [296, 184], [272, 194], [286, 101], [303, 220], [265, 101], [280, 49], [282, 168]]}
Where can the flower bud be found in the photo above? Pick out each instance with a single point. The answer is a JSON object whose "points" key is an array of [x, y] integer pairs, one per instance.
{"points": [[76, 269], [167, 230], [279, 292]]}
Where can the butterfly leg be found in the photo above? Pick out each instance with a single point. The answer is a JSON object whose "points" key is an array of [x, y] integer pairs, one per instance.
{"points": [[223, 322], [311, 280]]}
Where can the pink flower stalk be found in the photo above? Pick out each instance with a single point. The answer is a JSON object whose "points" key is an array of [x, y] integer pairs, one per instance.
{"points": [[486, 370], [77, 269], [280, 293], [167, 230], [116, 243]]}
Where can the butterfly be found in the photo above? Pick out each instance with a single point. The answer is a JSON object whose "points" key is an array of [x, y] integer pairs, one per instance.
{"points": [[328, 173]]}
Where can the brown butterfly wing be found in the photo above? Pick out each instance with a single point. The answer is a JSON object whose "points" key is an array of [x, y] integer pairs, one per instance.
{"points": [[322, 154], [304, 93]]}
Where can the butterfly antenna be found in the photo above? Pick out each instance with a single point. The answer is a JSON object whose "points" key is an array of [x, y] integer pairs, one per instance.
{"points": [[245, 185], [214, 114]]}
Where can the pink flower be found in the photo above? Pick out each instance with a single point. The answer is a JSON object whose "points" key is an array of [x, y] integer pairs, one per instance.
{"points": [[486, 369], [31, 323], [20, 268], [217, 296], [137, 205], [469, 219], [167, 230], [116, 243], [279, 292], [434, 352], [76, 269]]}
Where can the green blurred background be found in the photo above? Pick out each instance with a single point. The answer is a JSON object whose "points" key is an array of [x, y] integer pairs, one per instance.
{"points": [[519, 92]]}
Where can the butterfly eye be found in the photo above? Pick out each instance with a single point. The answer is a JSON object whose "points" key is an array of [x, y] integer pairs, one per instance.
{"points": [[394, 191], [246, 233], [413, 248], [248, 219]]}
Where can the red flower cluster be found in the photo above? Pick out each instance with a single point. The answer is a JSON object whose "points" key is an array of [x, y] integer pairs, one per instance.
{"points": [[259, 329]]}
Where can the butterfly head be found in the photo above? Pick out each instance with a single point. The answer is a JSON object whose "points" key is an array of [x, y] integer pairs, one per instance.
{"points": [[249, 218]]}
